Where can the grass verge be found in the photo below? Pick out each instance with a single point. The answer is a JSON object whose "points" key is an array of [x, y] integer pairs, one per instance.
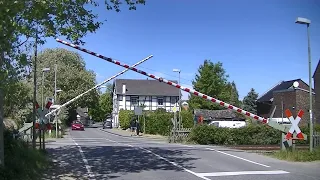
{"points": [[53, 134], [21, 161], [297, 155]]}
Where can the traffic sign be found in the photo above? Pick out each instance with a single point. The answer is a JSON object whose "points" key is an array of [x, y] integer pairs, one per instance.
{"points": [[174, 109], [41, 113], [294, 127]]}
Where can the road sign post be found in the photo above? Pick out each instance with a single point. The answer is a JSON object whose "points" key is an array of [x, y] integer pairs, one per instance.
{"points": [[43, 123]]}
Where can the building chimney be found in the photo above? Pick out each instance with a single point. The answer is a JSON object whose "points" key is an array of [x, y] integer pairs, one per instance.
{"points": [[124, 88]]}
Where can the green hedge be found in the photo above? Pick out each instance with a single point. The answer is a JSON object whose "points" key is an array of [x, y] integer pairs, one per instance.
{"points": [[157, 122], [306, 130], [187, 119], [249, 135], [124, 118]]}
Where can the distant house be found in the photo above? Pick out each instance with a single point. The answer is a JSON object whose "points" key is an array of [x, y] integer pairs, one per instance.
{"points": [[84, 117], [220, 118], [184, 104], [316, 79], [285, 96], [152, 94]]}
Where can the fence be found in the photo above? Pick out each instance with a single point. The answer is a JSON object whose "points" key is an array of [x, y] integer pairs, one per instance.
{"points": [[179, 135]]}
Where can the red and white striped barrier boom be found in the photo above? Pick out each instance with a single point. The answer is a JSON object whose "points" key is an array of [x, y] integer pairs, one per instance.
{"points": [[214, 100]]}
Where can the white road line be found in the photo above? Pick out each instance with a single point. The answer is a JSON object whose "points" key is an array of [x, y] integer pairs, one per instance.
{"points": [[160, 157], [242, 173], [238, 157], [175, 164], [89, 171], [247, 160]]}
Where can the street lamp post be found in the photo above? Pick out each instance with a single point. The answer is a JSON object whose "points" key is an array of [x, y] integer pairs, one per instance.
{"points": [[43, 71], [180, 119], [55, 100], [42, 105], [307, 22]]}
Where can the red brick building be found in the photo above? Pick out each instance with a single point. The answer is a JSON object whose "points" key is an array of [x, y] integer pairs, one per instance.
{"points": [[285, 96]]}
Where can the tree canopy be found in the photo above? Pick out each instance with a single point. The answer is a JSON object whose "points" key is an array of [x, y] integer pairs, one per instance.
{"points": [[23, 21], [249, 101], [104, 105], [212, 80]]}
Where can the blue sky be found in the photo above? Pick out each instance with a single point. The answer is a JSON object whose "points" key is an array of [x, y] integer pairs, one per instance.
{"points": [[257, 41]]}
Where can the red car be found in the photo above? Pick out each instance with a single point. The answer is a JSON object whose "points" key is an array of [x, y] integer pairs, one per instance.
{"points": [[77, 125]]}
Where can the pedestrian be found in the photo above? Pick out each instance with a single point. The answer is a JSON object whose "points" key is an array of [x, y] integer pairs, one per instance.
{"points": [[138, 128], [132, 126]]}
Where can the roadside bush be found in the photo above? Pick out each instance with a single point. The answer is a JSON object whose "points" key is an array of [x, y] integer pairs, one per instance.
{"points": [[21, 162], [158, 122], [125, 117], [306, 130], [249, 135], [187, 119]]}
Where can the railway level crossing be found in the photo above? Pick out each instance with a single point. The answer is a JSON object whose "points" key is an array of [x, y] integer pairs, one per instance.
{"points": [[285, 129]]}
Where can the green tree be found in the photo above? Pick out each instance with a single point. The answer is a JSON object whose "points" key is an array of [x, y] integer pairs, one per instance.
{"points": [[24, 20], [249, 101], [72, 78], [104, 107], [234, 95], [211, 80]]}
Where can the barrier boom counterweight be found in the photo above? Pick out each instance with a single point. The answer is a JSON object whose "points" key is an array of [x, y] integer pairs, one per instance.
{"points": [[196, 93]]}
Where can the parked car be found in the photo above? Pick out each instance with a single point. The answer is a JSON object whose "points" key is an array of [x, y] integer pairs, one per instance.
{"points": [[77, 125], [107, 124]]}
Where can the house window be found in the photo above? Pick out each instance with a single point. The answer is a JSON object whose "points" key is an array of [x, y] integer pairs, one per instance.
{"points": [[173, 100], [120, 98], [134, 100], [160, 101]]}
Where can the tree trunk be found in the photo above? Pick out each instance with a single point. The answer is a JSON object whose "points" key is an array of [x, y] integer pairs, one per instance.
{"points": [[1, 112]]}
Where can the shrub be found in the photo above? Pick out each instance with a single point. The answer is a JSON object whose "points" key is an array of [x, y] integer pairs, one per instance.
{"points": [[125, 117], [21, 162], [249, 135], [187, 119], [157, 122]]}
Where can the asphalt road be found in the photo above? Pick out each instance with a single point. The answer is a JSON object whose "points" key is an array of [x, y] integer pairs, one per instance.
{"points": [[111, 154]]}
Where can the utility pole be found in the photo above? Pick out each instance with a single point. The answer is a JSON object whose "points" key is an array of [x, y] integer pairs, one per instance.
{"points": [[55, 96], [307, 22], [34, 93]]}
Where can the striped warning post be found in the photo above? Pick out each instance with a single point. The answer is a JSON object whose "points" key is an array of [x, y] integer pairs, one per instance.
{"points": [[294, 127], [196, 93]]}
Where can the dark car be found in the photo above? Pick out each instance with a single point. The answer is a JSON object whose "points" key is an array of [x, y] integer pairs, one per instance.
{"points": [[107, 124], [77, 125]]}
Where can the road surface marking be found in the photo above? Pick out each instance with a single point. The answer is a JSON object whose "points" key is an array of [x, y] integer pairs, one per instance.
{"points": [[242, 173], [90, 173], [160, 157], [238, 157], [175, 164]]}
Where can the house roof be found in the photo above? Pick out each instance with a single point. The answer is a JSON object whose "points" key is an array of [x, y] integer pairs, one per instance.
{"points": [[145, 87], [317, 69], [281, 86], [82, 112], [215, 114]]}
